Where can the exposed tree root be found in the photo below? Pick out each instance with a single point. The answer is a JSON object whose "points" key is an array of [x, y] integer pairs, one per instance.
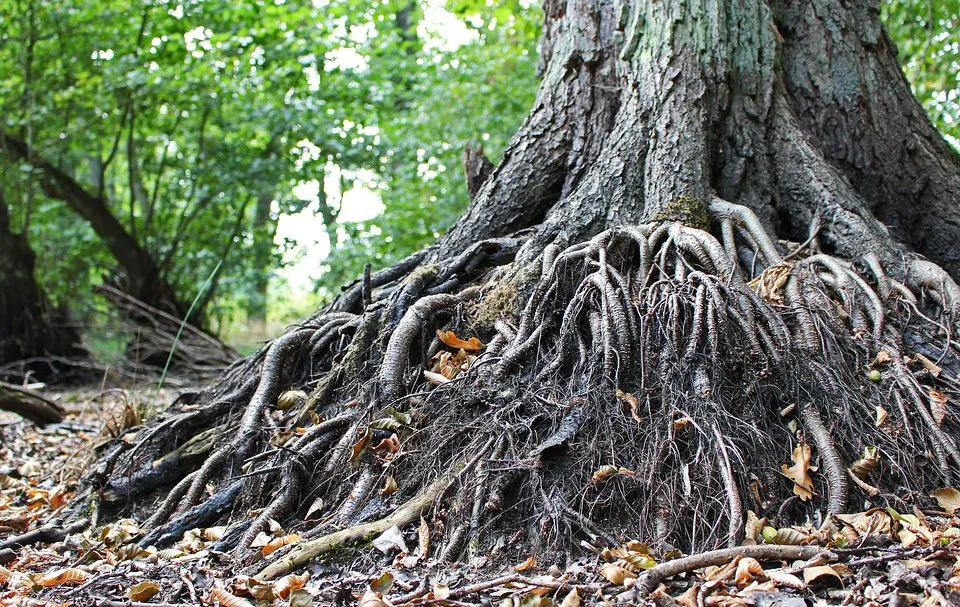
{"points": [[632, 389], [404, 515], [652, 578]]}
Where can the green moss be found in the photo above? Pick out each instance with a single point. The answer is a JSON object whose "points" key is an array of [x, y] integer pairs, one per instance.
{"points": [[500, 301], [689, 211]]}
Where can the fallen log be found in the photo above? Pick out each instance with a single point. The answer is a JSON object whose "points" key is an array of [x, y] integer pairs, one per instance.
{"points": [[29, 405]]}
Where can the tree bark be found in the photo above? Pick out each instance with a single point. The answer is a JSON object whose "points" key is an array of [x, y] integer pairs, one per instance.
{"points": [[793, 110], [29, 327]]}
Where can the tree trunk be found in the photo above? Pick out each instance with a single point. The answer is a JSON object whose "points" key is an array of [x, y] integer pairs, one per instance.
{"points": [[141, 274], [264, 229], [30, 329], [657, 343]]}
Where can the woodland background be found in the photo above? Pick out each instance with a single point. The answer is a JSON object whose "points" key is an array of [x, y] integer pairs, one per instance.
{"points": [[262, 152]]}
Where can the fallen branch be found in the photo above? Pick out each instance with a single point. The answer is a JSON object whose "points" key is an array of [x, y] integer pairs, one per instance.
{"points": [[652, 578], [404, 515], [48, 534], [29, 405]]}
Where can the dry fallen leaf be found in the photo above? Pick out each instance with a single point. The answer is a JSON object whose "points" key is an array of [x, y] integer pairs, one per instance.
{"points": [[616, 574], [530, 563], [571, 600], [866, 464], [752, 528], [882, 416], [799, 472], [301, 597], [144, 591], [389, 486], [362, 441], [948, 498], [928, 364], [62, 577], [287, 583], [441, 592], [228, 600], [372, 599], [423, 537], [788, 580], [449, 338], [938, 405], [279, 542], [821, 572], [748, 569]]}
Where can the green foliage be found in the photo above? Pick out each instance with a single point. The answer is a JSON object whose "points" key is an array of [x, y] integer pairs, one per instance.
{"points": [[196, 120], [927, 35]]}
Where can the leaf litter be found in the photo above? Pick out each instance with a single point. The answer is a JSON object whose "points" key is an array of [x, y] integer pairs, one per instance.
{"points": [[875, 557]]}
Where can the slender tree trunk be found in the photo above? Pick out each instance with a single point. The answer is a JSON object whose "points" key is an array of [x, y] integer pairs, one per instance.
{"points": [[264, 228], [29, 327]]}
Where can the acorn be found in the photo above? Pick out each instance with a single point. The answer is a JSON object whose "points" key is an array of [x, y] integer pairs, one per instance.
{"points": [[290, 399], [875, 376]]}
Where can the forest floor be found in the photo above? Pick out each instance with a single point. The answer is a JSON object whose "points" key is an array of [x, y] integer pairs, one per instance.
{"points": [[879, 557]]}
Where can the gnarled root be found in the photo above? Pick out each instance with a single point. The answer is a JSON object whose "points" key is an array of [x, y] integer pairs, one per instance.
{"points": [[633, 389]]}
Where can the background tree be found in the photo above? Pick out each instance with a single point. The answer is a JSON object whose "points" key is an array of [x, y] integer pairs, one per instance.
{"points": [[31, 329]]}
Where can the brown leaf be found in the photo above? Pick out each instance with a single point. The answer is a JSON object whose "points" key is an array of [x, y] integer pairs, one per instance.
{"points": [[144, 591], [423, 537], [604, 473], [752, 528], [382, 584], [782, 578], [616, 574], [799, 472], [287, 583], [62, 577], [769, 285], [748, 569], [389, 486], [441, 592], [372, 599], [882, 415], [723, 572], [948, 499], [938, 405], [633, 403], [228, 600], [530, 563], [279, 542], [300, 597], [449, 338], [387, 446], [362, 441], [866, 464], [931, 367], [572, 599], [821, 572]]}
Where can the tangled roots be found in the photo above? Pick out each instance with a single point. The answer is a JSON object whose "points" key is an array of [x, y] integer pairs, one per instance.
{"points": [[651, 383]]}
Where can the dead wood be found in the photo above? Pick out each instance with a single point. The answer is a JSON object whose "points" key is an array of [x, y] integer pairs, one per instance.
{"points": [[29, 405]]}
